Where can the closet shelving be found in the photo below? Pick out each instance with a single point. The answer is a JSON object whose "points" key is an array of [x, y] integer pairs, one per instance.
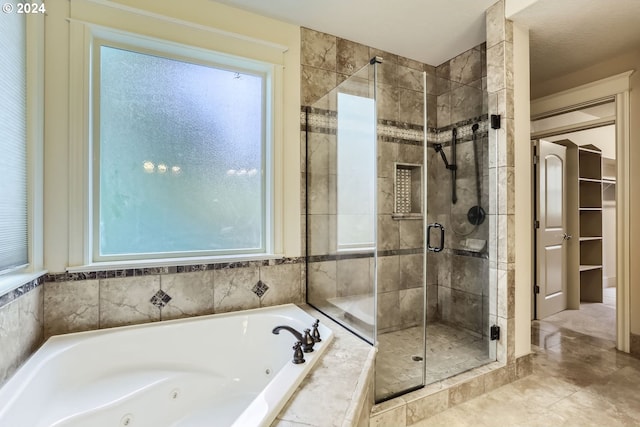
{"points": [[590, 183]]}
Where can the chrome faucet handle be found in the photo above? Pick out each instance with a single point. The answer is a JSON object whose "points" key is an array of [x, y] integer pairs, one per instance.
{"points": [[315, 334], [298, 356]]}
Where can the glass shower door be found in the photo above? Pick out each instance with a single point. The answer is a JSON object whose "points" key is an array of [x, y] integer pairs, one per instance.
{"points": [[400, 261], [385, 179], [341, 198]]}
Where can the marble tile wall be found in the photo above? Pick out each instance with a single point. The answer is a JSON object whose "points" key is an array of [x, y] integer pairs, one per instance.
{"points": [[461, 87], [328, 61], [462, 277], [501, 168], [21, 326], [74, 303]]}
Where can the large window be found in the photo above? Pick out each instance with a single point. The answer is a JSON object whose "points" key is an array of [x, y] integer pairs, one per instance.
{"points": [[13, 144], [181, 154]]}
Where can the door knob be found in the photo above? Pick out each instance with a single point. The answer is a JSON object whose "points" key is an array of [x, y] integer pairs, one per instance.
{"points": [[566, 236]]}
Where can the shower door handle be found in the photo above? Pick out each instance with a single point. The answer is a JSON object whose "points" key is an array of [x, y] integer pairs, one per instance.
{"points": [[441, 246]]}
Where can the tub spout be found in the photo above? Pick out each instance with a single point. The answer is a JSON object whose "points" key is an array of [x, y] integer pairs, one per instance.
{"points": [[306, 340]]}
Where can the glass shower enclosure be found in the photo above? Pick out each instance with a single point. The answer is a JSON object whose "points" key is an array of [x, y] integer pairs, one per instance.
{"points": [[390, 254]]}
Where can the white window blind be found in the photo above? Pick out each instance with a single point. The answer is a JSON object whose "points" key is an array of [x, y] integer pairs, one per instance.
{"points": [[13, 146]]}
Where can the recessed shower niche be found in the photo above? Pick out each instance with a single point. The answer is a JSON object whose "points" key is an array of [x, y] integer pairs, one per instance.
{"points": [[408, 191]]}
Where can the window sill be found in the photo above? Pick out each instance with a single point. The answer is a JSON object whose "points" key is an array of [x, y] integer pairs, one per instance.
{"points": [[11, 281], [167, 262]]}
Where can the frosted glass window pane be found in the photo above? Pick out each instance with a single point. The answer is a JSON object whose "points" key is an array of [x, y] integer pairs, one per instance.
{"points": [[181, 156], [356, 171], [13, 143]]}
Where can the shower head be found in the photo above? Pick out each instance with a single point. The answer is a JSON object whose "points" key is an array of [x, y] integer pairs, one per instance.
{"points": [[437, 147], [475, 127]]}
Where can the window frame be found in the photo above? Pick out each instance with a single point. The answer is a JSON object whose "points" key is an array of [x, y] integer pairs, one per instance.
{"points": [[186, 54], [80, 201]]}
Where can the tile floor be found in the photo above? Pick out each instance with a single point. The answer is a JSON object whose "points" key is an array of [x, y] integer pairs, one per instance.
{"points": [[579, 379], [450, 351]]}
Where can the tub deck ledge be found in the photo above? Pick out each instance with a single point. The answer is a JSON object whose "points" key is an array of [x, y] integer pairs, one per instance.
{"points": [[337, 391]]}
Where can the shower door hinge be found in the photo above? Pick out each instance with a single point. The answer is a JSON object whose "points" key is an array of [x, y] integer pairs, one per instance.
{"points": [[495, 332], [495, 121]]}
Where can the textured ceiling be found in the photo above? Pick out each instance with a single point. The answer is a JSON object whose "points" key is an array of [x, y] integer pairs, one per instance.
{"points": [[566, 35], [430, 31]]}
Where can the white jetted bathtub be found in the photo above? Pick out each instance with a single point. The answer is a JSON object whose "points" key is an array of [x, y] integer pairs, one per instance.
{"points": [[218, 370]]}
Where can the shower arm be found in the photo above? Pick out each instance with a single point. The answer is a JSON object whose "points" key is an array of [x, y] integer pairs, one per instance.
{"points": [[452, 167], [438, 148]]}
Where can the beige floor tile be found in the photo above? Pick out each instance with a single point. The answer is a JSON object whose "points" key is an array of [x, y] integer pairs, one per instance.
{"points": [[579, 379]]}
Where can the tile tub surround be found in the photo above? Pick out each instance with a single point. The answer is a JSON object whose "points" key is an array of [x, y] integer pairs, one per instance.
{"points": [[343, 377], [75, 302], [21, 326], [338, 391]]}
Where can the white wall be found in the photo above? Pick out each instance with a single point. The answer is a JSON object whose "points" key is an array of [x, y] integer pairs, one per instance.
{"points": [[603, 137], [523, 186]]}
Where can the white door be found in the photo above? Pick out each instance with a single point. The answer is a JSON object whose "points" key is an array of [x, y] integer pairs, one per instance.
{"points": [[551, 234]]}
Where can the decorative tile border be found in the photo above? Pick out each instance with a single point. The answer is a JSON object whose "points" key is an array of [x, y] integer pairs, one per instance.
{"points": [[465, 133], [137, 272], [20, 290], [325, 121], [356, 255], [393, 252]]}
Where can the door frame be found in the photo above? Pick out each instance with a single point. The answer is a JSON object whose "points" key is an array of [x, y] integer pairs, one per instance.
{"points": [[615, 87]]}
